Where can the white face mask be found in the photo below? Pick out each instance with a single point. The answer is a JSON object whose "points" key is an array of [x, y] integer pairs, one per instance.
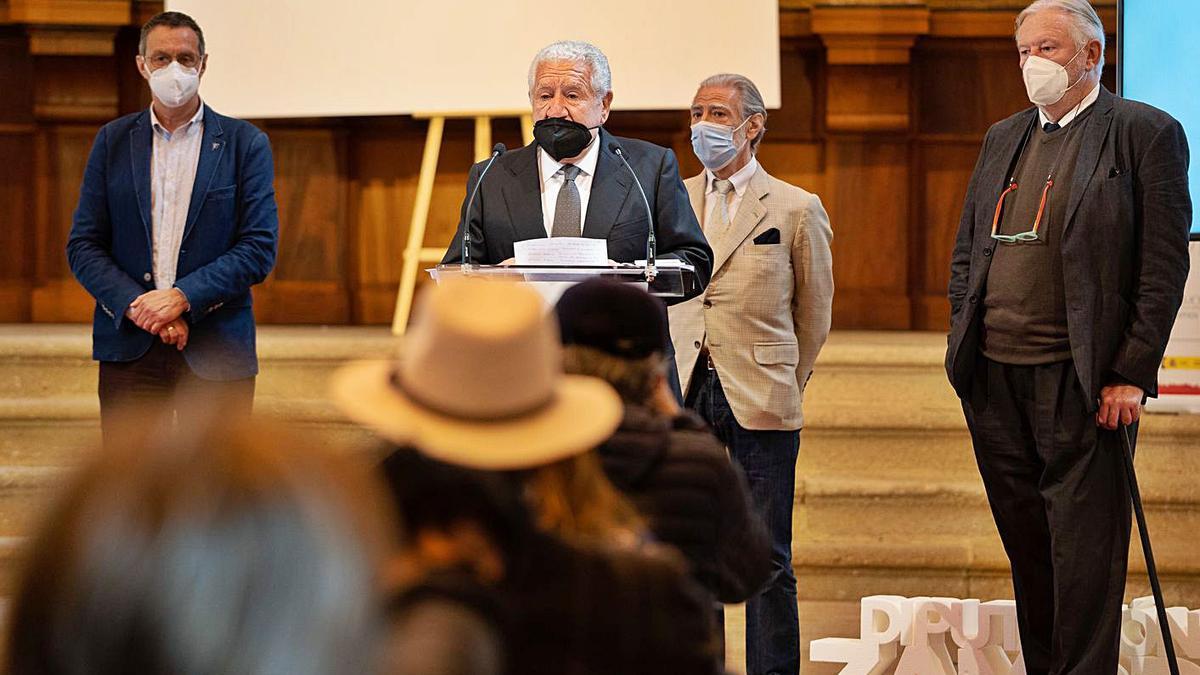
{"points": [[713, 144], [1047, 82], [174, 85]]}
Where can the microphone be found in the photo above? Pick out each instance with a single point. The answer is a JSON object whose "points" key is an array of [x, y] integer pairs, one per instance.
{"points": [[497, 150], [651, 241]]}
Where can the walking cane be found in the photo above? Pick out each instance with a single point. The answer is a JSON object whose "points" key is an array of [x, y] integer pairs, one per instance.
{"points": [[1151, 568]]}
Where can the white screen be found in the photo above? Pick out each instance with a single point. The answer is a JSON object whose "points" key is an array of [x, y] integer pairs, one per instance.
{"points": [[1158, 41], [313, 58]]}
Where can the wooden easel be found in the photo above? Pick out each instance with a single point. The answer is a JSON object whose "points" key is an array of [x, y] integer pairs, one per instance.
{"points": [[415, 252]]}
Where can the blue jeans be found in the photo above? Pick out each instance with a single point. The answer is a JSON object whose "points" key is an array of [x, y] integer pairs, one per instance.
{"points": [[768, 459]]}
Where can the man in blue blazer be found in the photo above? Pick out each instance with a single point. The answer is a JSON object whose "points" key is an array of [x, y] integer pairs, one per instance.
{"points": [[176, 221]]}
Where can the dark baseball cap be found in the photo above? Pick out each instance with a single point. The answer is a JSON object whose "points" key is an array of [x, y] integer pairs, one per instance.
{"points": [[616, 318]]}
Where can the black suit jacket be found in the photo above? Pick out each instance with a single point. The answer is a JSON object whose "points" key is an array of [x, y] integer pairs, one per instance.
{"points": [[1124, 243], [509, 207]]}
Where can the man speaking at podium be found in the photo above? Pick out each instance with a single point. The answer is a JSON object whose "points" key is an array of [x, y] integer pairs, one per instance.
{"points": [[571, 182]]}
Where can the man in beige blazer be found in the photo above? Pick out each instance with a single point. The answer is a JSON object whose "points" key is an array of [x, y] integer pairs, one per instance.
{"points": [[745, 347]]}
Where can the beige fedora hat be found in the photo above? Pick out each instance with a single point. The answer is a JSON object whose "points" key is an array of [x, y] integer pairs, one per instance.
{"points": [[479, 383]]}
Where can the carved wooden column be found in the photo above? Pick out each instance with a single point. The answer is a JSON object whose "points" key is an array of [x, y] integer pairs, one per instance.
{"points": [[868, 123]]}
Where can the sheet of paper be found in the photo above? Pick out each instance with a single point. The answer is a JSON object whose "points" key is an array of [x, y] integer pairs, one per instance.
{"points": [[572, 251]]}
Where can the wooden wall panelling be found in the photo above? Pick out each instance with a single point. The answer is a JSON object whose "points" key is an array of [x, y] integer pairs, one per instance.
{"points": [[16, 175], [384, 163], [61, 154], [884, 106], [386, 159], [75, 89], [963, 86], [310, 283], [867, 196], [16, 221], [68, 12], [73, 97], [943, 169], [960, 88], [868, 178], [133, 93], [802, 81]]}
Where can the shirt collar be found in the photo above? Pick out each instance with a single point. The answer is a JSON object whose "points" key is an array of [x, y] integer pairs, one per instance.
{"points": [[586, 163], [740, 180], [197, 119], [1083, 105]]}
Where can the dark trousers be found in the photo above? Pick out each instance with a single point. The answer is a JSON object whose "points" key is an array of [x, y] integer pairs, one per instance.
{"points": [[768, 459], [134, 390], [1056, 484]]}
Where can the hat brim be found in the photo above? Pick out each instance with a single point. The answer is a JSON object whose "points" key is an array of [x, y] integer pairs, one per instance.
{"points": [[584, 412]]}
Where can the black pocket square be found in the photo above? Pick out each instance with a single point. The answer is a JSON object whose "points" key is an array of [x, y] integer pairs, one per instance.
{"points": [[771, 236]]}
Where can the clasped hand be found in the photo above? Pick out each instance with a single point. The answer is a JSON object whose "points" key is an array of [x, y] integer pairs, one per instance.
{"points": [[158, 313]]}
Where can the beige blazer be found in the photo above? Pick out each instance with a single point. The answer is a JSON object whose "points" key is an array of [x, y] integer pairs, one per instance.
{"points": [[766, 311]]}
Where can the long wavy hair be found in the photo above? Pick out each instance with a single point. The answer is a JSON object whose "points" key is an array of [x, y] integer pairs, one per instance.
{"points": [[574, 499]]}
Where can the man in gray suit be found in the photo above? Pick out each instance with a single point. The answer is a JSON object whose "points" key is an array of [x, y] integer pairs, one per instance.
{"points": [[1067, 272]]}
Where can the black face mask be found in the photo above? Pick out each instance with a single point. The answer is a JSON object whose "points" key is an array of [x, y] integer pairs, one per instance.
{"points": [[561, 138]]}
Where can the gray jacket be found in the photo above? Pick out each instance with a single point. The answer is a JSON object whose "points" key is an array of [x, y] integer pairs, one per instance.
{"points": [[1124, 243]]}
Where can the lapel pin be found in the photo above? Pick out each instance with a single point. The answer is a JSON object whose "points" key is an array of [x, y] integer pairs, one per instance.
{"points": [[216, 145]]}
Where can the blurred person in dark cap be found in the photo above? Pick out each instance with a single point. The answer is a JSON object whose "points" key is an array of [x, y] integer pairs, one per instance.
{"points": [[666, 459], [209, 547]]}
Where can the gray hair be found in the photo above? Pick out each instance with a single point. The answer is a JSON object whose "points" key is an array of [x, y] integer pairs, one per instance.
{"points": [[1085, 24], [748, 95], [577, 52]]}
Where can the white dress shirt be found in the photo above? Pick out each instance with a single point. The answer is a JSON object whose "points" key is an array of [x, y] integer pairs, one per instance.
{"points": [[172, 176], [740, 180], [552, 181], [1074, 112]]}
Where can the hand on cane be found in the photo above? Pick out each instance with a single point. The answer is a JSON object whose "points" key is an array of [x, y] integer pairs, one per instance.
{"points": [[1120, 404]]}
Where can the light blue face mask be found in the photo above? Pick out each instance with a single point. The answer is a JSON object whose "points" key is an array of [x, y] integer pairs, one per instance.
{"points": [[713, 144]]}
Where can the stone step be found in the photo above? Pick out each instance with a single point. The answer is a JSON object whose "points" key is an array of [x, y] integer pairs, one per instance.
{"points": [[1166, 451], [54, 360], [869, 507], [24, 493], [56, 431]]}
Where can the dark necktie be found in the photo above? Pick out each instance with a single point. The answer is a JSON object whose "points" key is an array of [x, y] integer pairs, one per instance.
{"points": [[567, 209], [1049, 127]]}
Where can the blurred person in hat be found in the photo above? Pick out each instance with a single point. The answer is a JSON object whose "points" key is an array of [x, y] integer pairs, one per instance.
{"points": [[479, 392]]}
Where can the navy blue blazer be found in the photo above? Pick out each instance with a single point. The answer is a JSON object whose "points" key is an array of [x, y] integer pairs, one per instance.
{"points": [[229, 242]]}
